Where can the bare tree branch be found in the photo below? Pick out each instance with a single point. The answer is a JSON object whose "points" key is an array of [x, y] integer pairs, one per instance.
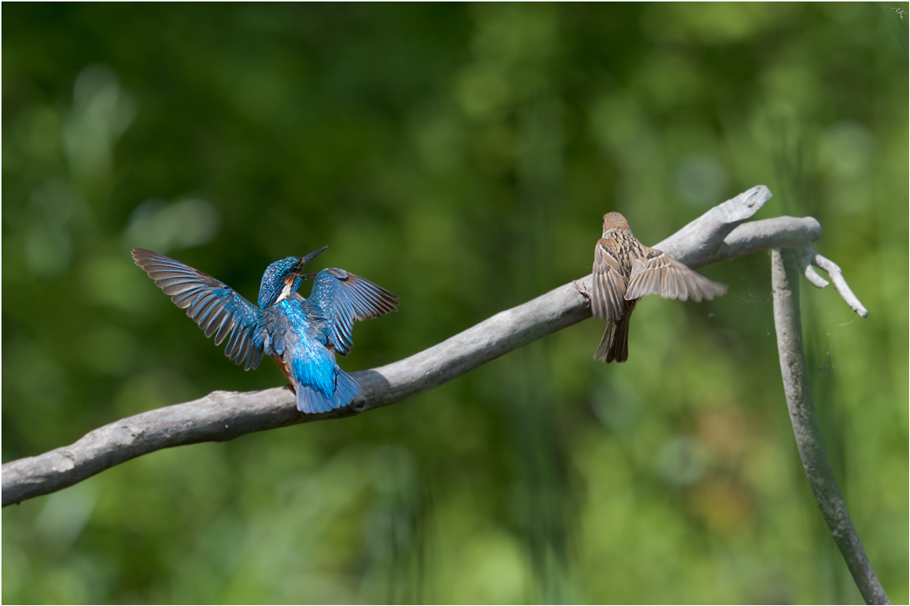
{"points": [[220, 416], [718, 234], [785, 287]]}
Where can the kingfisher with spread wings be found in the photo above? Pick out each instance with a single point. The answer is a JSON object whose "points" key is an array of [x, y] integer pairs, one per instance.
{"points": [[625, 270], [301, 334]]}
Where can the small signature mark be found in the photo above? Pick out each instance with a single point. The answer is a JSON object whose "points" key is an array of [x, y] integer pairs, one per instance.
{"points": [[900, 12]]}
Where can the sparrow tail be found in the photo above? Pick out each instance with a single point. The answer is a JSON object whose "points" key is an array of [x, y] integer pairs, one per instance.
{"points": [[605, 343], [614, 347]]}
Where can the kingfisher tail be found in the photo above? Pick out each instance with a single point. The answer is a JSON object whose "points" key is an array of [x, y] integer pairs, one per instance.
{"points": [[311, 400]]}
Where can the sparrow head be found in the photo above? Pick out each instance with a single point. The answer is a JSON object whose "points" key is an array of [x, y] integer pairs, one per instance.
{"points": [[282, 278], [614, 221]]}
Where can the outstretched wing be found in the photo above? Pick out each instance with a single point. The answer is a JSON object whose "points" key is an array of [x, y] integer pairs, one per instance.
{"points": [[344, 297], [212, 304], [660, 274], [609, 283]]}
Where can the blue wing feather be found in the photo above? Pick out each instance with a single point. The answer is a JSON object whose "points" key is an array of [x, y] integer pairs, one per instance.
{"points": [[212, 304], [343, 297]]}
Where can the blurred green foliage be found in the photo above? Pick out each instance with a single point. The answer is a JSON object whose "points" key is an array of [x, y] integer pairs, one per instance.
{"points": [[461, 156]]}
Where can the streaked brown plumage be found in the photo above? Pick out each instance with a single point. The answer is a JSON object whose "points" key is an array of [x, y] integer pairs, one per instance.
{"points": [[625, 270]]}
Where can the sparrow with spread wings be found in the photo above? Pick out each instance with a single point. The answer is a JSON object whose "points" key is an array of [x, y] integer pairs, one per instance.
{"points": [[625, 270]]}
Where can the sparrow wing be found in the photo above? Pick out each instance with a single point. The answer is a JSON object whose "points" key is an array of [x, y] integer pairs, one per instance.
{"points": [[344, 297], [609, 282], [212, 304], [657, 273]]}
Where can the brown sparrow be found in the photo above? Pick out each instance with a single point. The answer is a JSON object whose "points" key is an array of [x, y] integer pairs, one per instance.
{"points": [[625, 270]]}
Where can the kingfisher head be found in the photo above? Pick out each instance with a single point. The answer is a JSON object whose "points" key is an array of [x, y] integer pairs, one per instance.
{"points": [[282, 278]]}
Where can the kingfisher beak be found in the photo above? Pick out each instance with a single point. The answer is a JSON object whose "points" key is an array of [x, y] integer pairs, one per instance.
{"points": [[304, 260]]}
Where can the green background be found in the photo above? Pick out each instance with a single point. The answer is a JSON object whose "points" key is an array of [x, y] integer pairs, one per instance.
{"points": [[460, 156]]}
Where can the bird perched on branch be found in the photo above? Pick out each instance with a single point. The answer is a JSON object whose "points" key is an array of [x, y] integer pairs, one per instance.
{"points": [[625, 270], [302, 335]]}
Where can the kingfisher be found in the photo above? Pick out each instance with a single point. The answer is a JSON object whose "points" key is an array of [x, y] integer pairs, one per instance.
{"points": [[301, 334]]}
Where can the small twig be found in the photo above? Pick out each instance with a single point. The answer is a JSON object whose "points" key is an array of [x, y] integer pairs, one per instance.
{"points": [[785, 287], [839, 283]]}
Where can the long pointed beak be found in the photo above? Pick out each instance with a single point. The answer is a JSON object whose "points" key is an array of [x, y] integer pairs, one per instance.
{"points": [[304, 260]]}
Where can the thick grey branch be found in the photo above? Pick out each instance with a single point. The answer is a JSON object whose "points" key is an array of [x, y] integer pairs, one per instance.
{"points": [[706, 234], [785, 286], [719, 234]]}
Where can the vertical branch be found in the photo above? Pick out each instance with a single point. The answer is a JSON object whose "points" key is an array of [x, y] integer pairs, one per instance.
{"points": [[785, 287]]}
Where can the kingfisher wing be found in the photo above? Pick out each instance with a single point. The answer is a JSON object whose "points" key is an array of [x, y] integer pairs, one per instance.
{"points": [[660, 274], [213, 305], [344, 297]]}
